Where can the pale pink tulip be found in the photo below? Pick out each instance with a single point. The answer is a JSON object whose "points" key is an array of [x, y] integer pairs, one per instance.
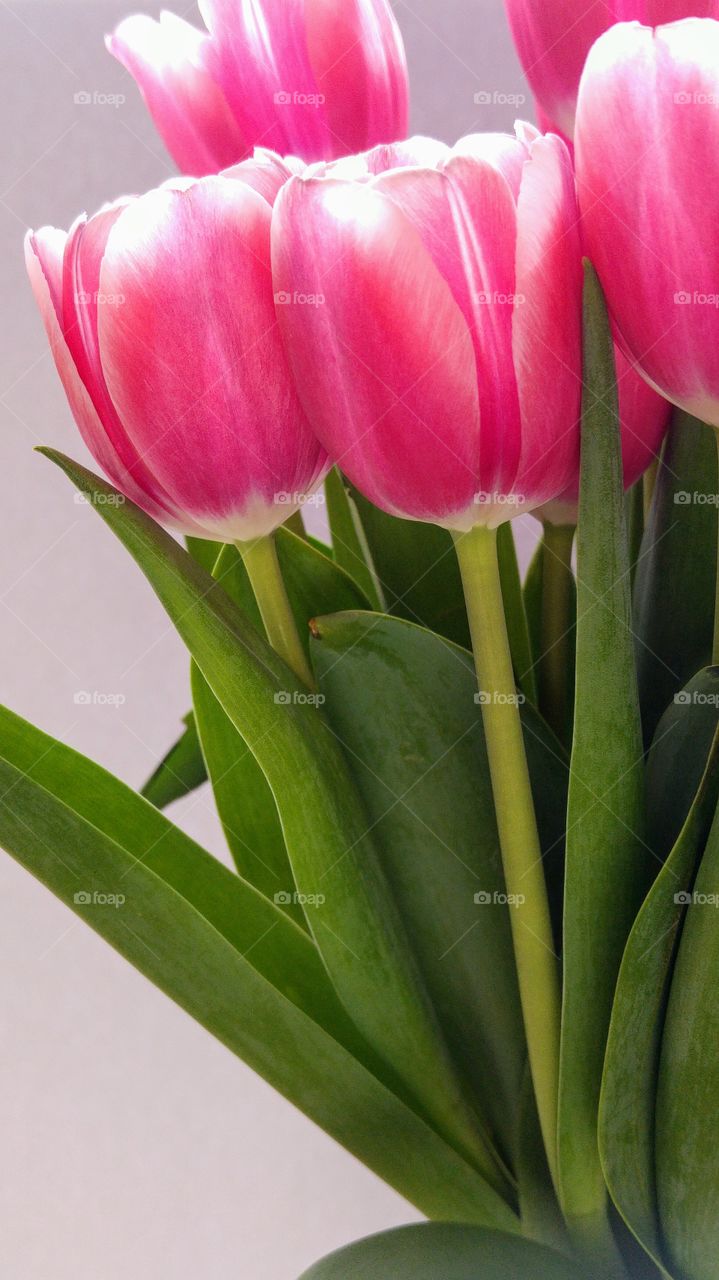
{"points": [[313, 77], [553, 38], [161, 316], [644, 420], [648, 178], [441, 363]]}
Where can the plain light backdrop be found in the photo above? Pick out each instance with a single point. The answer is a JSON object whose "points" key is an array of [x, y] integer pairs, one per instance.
{"points": [[132, 1143]]}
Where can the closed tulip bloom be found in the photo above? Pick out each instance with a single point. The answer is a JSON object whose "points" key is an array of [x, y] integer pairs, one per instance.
{"points": [[442, 368], [160, 313], [644, 421], [647, 147], [315, 78], [553, 38]]}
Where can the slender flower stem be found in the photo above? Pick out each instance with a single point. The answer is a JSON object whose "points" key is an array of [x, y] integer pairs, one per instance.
{"points": [[715, 647], [263, 569], [557, 580], [537, 967]]}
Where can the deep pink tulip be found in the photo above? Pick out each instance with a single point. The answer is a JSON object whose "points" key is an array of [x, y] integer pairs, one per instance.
{"points": [[316, 78], [648, 177], [161, 316], [440, 363], [553, 38], [644, 420]]}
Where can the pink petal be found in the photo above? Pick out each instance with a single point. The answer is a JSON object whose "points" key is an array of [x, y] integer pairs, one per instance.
{"points": [[188, 107], [357, 55], [647, 146], [385, 366], [195, 366], [547, 322]]}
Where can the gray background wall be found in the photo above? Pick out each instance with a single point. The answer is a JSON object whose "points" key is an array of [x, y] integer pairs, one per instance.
{"points": [[132, 1143]]}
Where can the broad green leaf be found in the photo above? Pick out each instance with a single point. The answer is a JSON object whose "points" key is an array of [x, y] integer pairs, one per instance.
{"points": [[244, 800], [349, 545], [674, 585], [205, 552], [443, 1251], [514, 613], [359, 931], [417, 570], [678, 758], [608, 864], [543, 559], [687, 1102], [628, 1100], [539, 1208], [181, 771], [532, 593], [401, 701], [223, 953]]}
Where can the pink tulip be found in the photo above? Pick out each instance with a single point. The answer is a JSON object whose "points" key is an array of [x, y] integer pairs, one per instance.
{"points": [[644, 420], [161, 317], [316, 78], [553, 38], [647, 171], [441, 368]]}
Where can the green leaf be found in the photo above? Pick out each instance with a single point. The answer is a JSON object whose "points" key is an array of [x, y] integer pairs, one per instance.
{"points": [[675, 576], [417, 570], [515, 616], [627, 1109], [402, 703], [181, 771], [443, 1251], [608, 865], [358, 931], [244, 800], [349, 545], [223, 953], [687, 1101], [678, 758]]}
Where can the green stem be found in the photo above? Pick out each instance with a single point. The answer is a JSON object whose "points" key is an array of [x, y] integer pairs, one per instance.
{"points": [[263, 569], [537, 967], [715, 647], [557, 584]]}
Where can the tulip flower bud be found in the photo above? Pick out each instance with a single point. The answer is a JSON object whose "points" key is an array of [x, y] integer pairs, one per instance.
{"points": [[443, 369], [161, 316], [311, 77], [647, 145], [553, 38]]}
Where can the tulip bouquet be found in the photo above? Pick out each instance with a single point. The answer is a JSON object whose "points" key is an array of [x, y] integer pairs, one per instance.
{"points": [[472, 929]]}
